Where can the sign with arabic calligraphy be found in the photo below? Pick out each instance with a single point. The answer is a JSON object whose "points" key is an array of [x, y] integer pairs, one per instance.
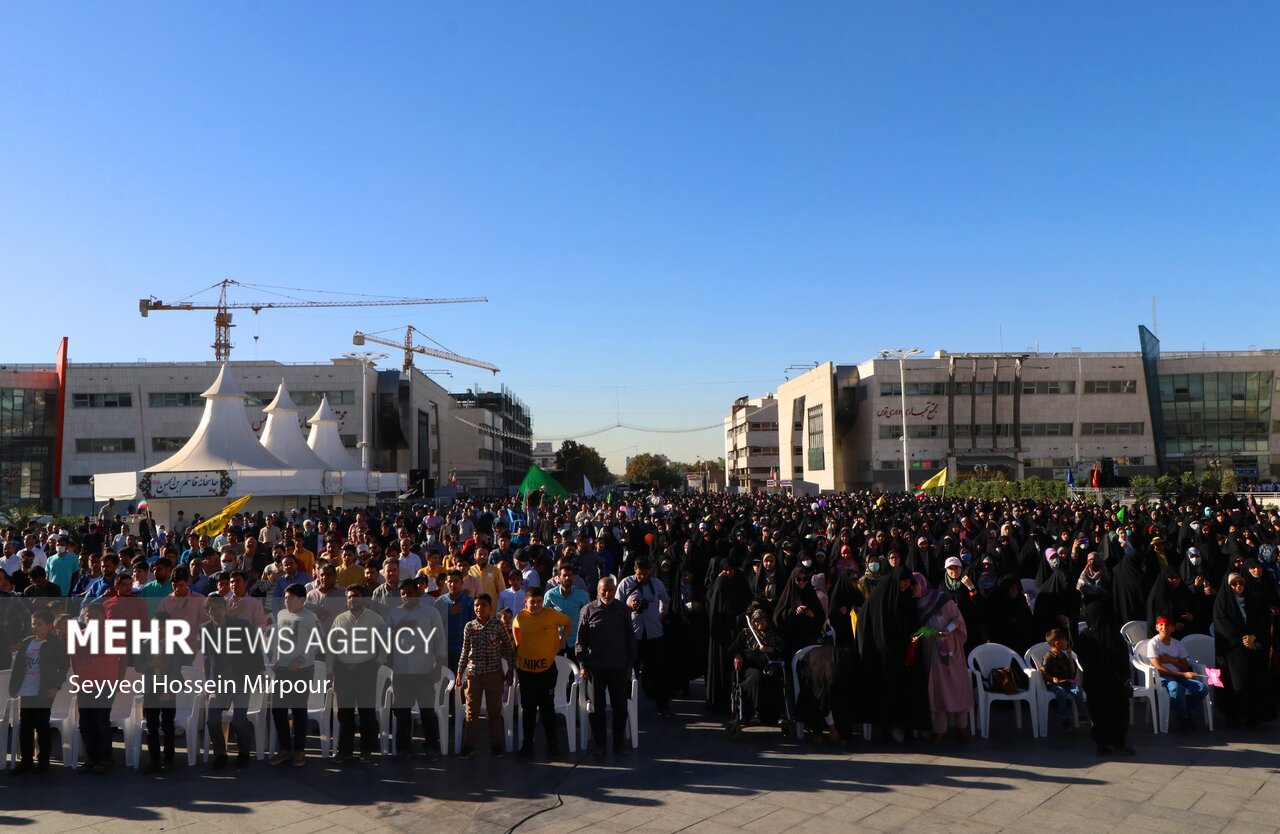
{"points": [[928, 411], [214, 484]]}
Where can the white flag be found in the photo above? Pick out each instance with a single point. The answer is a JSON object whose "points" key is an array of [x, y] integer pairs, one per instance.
{"points": [[586, 488]]}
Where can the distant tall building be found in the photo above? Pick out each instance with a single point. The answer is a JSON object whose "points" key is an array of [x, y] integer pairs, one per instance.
{"points": [[1024, 414]]}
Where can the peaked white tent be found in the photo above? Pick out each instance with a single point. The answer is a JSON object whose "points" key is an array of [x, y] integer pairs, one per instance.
{"points": [[223, 460], [224, 439], [282, 435], [325, 441]]}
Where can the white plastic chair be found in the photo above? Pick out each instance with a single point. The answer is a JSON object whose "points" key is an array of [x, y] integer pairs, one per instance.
{"points": [[382, 697], [126, 716], [259, 714], [795, 688], [63, 717], [586, 707], [1202, 653], [1147, 688], [982, 660], [320, 709], [1035, 657], [5, 728], [1134, 632], [510, 697], [442, 696], [188, 712], [566, 701]]}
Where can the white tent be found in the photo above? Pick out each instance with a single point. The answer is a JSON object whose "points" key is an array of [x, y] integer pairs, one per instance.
{"points": [[325, 441], [223, 440], [282, 435], [223, 460]]}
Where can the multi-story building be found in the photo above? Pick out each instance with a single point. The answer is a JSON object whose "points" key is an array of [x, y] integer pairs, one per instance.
{"points": [[1023, 414], [544, 455], [489, 445], [61, 423], [751, 443]]}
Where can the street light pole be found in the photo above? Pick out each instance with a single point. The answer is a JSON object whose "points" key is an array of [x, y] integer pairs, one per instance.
{"points": [[366, 359], [901, 355]]}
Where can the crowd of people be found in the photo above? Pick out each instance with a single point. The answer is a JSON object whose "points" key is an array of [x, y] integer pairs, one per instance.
{"points": [[886, 595]]}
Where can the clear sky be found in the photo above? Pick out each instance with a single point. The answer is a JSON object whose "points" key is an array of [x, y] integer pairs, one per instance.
{"points": [[667, 203]]}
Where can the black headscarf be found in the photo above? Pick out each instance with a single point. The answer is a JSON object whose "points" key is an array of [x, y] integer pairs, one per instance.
{"points": [[1130, 586], [1167, 601], [799, 630], [885, 624]]}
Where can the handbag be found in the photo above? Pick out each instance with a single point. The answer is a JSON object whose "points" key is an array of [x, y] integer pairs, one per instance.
{"points": [[1004, 681]]}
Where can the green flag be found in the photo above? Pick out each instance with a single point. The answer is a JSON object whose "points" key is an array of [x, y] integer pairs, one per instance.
{"points": [[537, 479], [1120, 515]]}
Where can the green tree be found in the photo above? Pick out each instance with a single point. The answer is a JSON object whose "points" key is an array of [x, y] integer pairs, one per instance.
{"points": [[647, 468], [1189, 485], [1209, 483], [1230, 482], [1141, 487], [573, 460], [1166, 485]]}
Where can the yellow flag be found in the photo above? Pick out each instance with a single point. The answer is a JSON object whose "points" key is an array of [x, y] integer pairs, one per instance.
{"points": [[936, 481], [880, 501], [214, 525]]}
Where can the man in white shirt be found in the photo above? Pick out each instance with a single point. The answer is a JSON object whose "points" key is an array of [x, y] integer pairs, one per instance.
{"points": [[1170, 658]]}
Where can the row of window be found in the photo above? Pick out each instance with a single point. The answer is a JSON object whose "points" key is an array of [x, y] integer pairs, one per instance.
{"points": [[102, 400], [1250, 386], [118, 445], [1105, 429], [893, 432], [964, 389]]}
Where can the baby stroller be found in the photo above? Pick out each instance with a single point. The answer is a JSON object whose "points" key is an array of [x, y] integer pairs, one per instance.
{"points": [[773, 678]]}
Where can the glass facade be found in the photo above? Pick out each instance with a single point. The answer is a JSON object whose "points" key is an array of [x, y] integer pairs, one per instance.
{"points": [[1216, 413], [28, 433]]}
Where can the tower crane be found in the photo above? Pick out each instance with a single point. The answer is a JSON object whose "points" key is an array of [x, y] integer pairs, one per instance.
{"points": [[410, 349], [222, 310]]}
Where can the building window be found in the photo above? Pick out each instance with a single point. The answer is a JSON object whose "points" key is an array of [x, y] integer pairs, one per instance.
{"points": [[104, 445], [982, 389], [102, 401], [1108, 429], [258, 399], [80, 480], [984, 430], [348, 440], [1047, 429], [797, 414], [894, 432], [167, 444], [1052, 386], [174, 399], [1111, 386], [914, 389], [817, 439]]}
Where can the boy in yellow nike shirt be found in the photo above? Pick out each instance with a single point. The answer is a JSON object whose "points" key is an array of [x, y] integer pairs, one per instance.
{"points": [[540, 635]]}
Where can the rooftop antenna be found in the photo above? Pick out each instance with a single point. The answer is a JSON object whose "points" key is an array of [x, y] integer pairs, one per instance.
{"points": [[1155, 325]]}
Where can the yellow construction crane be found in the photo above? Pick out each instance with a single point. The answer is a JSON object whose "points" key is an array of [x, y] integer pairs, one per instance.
{"points": [[410, 349], [222, 310]]}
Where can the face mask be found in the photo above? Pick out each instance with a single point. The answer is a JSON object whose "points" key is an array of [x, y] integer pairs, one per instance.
{"points": [[1053, 563], [874, 567], [808, 563], [1195, 560], [61, 548], [966, 557]]}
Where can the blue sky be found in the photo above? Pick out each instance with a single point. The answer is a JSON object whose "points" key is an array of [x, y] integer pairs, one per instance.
{"points": [[667, 203]]}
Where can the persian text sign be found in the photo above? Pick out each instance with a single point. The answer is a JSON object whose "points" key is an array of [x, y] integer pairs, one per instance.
{"points": [[185, 484]]}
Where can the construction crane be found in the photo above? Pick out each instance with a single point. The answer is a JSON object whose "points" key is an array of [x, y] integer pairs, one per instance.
{"points": [[410, 349], [222, 310]]}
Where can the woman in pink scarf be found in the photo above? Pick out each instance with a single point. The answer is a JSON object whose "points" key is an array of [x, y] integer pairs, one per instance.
{"points": [[940, 649]]}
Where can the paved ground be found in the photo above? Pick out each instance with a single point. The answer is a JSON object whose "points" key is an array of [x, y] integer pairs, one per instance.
{"points": [[689, 777]]}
